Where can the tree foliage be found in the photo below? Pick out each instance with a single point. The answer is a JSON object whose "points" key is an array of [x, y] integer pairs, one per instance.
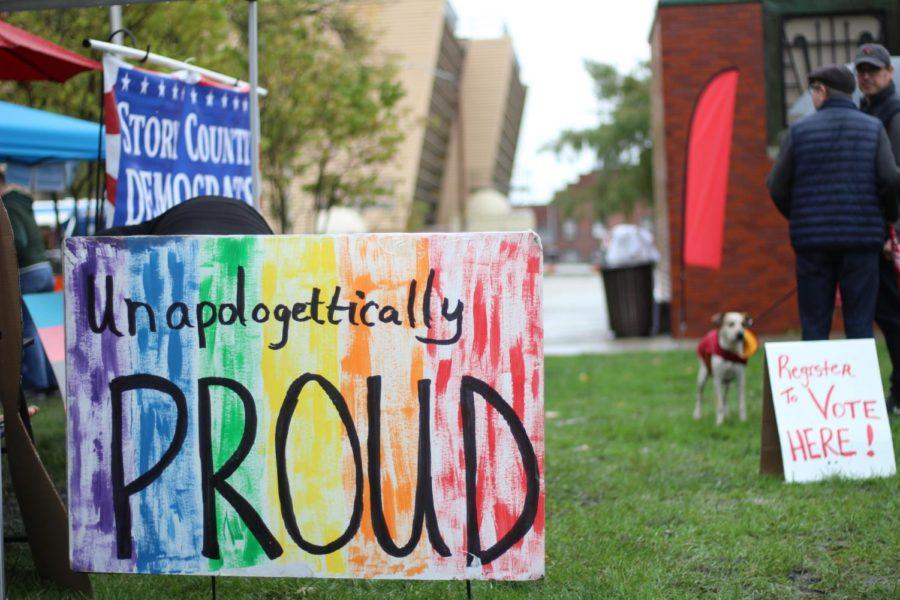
{"points": [[620, 142], [340, 102], [331, 116]]}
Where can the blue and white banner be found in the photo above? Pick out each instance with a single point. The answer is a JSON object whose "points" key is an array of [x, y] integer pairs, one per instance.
{"points": [[169, 139]]}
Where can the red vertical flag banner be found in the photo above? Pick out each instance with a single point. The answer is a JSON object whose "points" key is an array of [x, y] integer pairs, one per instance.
{"points": [[706, 170]]}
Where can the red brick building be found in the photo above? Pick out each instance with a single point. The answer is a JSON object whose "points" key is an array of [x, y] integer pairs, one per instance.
{"points": [[773, 44]]}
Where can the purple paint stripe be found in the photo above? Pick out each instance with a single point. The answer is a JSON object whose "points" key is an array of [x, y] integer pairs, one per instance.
{"points": [[93, 362]]}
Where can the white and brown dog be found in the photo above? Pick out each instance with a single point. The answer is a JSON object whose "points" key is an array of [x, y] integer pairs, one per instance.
{"points": [[723, 353]]}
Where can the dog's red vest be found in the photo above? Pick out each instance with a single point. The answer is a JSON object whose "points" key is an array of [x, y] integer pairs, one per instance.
{"points": [[709, 345]]}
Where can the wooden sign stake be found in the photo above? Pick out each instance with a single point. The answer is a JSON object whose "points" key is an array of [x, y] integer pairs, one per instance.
{"points": [[770, 462]]}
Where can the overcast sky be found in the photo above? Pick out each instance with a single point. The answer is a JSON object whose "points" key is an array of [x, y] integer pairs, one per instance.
{"points": [[552, 39]]}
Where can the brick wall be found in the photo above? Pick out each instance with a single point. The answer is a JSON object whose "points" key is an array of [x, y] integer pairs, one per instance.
{"points": [[758, 263]]}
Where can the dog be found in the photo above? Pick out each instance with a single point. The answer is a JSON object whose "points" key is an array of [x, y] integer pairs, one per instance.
{"points": [[723, 354]]}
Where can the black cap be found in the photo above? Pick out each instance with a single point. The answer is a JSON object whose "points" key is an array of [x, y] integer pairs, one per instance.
{"points": [[837, 77], [873, 54]]}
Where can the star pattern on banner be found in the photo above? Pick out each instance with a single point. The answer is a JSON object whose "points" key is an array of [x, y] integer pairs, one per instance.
{"points": [[234, 100]]}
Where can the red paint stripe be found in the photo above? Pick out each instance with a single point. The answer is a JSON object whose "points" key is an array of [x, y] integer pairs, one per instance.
{"points": [[443, 376], [479, 321], [517, 370]]}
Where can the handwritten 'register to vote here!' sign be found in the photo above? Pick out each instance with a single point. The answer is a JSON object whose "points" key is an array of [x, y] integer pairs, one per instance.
{"points": [[830, 410], [314, 406]]}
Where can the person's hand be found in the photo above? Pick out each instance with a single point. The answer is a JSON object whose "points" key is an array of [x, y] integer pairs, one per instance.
{"points": [[888, 251]]}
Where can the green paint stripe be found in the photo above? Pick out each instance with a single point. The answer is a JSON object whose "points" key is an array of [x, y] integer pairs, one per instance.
{"points": [[233, 351]]}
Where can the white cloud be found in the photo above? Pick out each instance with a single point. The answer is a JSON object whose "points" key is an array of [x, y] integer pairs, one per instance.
{"points": [[552, 39]]}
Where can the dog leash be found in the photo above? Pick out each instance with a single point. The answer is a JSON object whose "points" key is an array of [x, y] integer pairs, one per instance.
{"points": [[775, 305], [895, 255]]}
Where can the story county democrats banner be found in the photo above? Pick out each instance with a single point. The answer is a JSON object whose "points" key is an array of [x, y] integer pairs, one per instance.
{"points": [[169, 140], [311, 406]]}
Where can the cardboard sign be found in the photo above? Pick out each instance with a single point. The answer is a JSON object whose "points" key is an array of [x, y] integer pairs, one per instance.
{"points": [[43, 513], [316, 406], [830, 410]]}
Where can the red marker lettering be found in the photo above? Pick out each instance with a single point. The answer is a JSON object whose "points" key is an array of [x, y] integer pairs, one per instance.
{"points": [[869, 409], [810, 444], [822, 409], [796, 448], [842, 441], [826, 435]]}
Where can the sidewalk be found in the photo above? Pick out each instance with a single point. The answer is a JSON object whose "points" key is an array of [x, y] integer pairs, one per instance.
{"points": [[576, 320]]}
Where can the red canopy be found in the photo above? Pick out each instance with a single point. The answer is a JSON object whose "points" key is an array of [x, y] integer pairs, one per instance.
{"points": [[27, 57]]}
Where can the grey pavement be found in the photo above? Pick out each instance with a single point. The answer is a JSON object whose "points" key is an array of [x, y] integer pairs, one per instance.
{"points": [[576, 320]]}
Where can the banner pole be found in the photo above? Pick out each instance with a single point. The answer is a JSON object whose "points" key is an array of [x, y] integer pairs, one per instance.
{"points": [[164, 61], [253, 26], [115, 23]]}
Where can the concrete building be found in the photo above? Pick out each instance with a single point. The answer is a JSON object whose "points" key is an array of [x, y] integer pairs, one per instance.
{"points": [[493, 101], [773, 45], [457, 91]]}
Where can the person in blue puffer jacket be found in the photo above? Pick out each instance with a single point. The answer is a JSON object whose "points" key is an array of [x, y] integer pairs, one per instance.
{"points": [[836, 181]]}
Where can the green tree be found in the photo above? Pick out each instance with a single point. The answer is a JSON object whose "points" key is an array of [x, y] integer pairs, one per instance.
{"points": [[341, 102], [184, 31], [620, 142], [331, 116]]}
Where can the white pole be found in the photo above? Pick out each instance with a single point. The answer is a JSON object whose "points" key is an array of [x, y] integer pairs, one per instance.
{"points": [[165, 61], [115, 23], [253, 26]]}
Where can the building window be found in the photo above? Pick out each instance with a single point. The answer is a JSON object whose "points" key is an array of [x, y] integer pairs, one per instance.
{"points": [[810, 42], [570, 229]]}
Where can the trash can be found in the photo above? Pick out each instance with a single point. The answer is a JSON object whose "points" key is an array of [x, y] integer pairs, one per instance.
{"points": [[629, 299]]}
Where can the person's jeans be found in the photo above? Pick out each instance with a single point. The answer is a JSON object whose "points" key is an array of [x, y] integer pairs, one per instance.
{"points": [[887, 315], [819, 274], [36, 371]]}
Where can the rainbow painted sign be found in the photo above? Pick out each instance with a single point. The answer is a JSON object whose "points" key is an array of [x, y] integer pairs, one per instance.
{"points": [[311, 406]]}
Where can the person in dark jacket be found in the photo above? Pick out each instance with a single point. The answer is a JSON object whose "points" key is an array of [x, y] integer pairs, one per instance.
{"points": [[832, 180], [874, 74], [35, 275]]}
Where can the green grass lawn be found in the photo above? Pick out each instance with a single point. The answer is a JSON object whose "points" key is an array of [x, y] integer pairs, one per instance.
{"points": [[642, 502]]}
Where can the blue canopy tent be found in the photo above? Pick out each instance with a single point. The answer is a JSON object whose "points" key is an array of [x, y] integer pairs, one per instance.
{"points": [[41, 148], [31, 136]]}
